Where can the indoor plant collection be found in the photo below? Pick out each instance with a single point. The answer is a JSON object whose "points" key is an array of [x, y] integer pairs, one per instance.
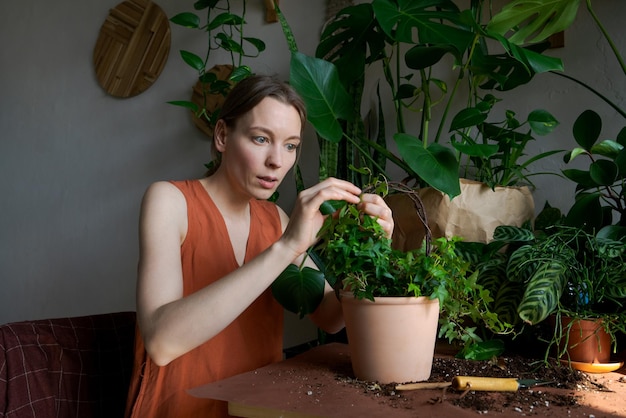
{"points": [[375, 41], [332, 85], [370, 275], [381, 32], [553, 272]]}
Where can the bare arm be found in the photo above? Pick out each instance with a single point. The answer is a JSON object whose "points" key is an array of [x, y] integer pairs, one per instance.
{"points": [[172, 325]]}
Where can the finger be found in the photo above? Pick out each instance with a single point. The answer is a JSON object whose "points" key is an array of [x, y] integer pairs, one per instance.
{"points": [[330, 189], [387, 226], [376, 206]]}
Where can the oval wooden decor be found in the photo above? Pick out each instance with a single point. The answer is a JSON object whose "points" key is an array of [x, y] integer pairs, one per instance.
{"points": [[132, 48]]}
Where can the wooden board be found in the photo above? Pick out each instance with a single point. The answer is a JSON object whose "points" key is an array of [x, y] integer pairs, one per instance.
{"points": [[132, 48]]}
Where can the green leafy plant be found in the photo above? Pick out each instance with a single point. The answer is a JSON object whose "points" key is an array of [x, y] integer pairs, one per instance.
{"points": [[600, 187], [494, 149], [560, 270], [382, 33], [224, 30], [354, 254]]}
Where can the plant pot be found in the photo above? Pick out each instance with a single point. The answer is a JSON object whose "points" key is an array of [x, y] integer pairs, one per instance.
{"points": [[584, 341], [392, 340], [473, 215]]}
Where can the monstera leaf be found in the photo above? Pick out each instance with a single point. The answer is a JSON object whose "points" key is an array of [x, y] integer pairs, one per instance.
{"points": [[534, 20]]}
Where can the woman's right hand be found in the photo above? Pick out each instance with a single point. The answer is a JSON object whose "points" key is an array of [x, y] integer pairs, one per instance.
{"points": [[306, 218]]}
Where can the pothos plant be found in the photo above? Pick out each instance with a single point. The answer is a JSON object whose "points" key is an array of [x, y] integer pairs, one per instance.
{"points": [[224, 30], [354, 254]]}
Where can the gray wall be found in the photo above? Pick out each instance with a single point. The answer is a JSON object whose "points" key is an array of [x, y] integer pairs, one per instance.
{"points": [[75, 161]]}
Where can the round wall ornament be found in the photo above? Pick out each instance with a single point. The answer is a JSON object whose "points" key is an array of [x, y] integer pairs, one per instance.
{"points": [[132, 48]]}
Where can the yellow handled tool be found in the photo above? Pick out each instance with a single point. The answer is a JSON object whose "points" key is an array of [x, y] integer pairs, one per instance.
{"points": [[498, 384], [494, 384]]}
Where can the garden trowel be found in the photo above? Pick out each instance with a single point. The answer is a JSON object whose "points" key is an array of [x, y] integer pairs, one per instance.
{"points": [[495, 384]]}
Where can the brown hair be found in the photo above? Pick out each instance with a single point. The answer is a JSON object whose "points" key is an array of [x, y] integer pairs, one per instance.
{"points": [[248, 93]]}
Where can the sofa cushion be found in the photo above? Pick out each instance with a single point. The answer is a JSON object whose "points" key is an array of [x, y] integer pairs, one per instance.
{"points": [[66, 367]]}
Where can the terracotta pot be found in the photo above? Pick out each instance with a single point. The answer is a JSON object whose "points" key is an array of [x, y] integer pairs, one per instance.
{"points": [[585, 341], [391, 340]]}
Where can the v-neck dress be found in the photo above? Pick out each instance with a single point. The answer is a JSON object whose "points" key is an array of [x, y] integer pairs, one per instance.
{"points": [[252, 340]]}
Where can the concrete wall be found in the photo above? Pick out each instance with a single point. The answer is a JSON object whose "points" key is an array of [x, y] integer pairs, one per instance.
{"points": [[75, 161]]}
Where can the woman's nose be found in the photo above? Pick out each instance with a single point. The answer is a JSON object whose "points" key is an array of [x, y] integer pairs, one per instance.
{"points": [[274, 157]]}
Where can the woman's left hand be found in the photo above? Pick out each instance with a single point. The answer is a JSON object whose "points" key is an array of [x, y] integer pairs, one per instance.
{"points": [[374, 205]]}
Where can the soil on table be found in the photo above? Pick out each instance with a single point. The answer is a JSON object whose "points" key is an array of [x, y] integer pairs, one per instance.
{"points": [[534, 401]]}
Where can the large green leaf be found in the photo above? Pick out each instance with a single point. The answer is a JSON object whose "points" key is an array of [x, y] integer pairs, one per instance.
{"points": [[186, 19], [542, 122], [435, 164], [327, 101], [299, 291], [507, 300], [192, 60], [351, 41], [607, 148], [534, 61], [533, 20], [400, 18], [421, 56], [521, 264], [509, 233], [586, 212], [587, 128], [543, 292], [468, 117], [603, 172]]}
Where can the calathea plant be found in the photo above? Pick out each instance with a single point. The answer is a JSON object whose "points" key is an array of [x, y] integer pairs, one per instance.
{"points": [[560, 270]]}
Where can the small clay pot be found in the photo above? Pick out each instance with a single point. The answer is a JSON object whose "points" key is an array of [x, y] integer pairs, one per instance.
{"points": [[586, 340]]}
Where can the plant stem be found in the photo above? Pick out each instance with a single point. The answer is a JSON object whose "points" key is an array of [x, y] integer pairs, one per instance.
{"points": [[594, 91], [455, 88], [606, 36]]}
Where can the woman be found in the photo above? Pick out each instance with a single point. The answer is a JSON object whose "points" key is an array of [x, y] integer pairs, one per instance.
{"points": [[210, 249]]}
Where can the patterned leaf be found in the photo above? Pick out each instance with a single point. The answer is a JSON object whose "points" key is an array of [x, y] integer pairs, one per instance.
{"points": [[543, 292]]}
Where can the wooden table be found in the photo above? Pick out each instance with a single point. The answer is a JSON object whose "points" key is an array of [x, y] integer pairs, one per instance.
{"points": [[313, 384]]}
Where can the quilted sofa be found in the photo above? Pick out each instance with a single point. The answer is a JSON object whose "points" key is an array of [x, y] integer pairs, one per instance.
{"points": [[66, 367]]}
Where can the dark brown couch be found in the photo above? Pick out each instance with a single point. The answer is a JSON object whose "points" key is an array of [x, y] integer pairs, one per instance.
{"points": [[66, 367]]}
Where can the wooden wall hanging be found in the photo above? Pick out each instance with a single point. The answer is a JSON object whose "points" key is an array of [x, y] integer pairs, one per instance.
{"points": [[132, 48]]}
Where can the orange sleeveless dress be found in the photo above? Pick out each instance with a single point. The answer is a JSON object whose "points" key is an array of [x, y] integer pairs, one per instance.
{"points": [[253, 340]]}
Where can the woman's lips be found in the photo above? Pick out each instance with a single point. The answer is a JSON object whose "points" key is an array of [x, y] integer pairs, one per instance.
{"points": [[268, 182]]}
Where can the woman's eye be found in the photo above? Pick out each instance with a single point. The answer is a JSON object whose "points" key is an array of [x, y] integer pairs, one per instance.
{"points": [[260, 139], [291, 147]]}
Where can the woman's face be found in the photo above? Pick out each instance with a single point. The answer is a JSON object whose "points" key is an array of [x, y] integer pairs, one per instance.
{"points": [[258, 152]]}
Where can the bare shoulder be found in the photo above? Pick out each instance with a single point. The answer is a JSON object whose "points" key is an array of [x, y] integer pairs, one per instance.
{"points": [[164, 203], [163, 193]]}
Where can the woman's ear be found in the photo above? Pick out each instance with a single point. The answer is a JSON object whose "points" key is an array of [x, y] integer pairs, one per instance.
{"points": [[219, 135]]}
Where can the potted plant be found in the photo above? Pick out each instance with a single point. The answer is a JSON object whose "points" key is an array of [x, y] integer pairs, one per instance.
{"points": [[599, 194], [374, 281], [375, 40], [224, 29], [558, 272]]}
